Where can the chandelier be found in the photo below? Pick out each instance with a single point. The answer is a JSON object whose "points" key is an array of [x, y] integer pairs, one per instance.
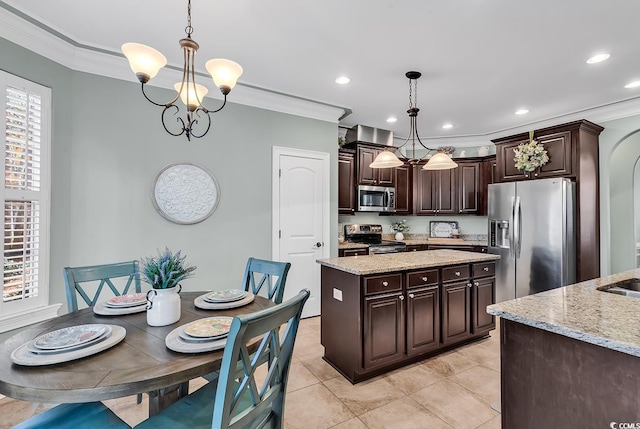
{"points": [[146, 62], [388, 159]]}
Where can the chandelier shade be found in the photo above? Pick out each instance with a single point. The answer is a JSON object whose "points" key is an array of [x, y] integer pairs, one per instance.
{"points": [[145, 62], [388, 158]]}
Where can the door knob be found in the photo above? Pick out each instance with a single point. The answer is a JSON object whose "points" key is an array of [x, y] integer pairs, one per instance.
{"points": [[318, 244]]}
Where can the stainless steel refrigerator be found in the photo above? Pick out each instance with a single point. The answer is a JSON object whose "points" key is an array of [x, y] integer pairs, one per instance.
{"points": [[531, 227]]}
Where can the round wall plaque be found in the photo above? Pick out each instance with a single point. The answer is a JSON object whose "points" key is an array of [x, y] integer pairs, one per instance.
{"points": [[185, 193]]}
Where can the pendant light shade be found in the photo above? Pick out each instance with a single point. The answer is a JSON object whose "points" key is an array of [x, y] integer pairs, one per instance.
{"points": [[191, 97], [144, 61], [440, 161], [225, 73], [387, 159]]}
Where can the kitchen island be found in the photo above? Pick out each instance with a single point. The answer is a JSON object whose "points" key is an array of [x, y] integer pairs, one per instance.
{"points": [[570, 357], [380, 312]]}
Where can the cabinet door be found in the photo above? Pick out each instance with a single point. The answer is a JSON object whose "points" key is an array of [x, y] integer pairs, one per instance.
{"points": [[383, 330], [386, 176], [507, 171], [366, 174], [456, 314], [445, 192], [404, 191], [425, 202], [423, 320], [558, 146], [469, 187], [484, 294], [346, 183], [487, 177]]}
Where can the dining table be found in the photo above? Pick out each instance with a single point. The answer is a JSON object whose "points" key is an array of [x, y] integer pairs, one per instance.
{"points": [[140, 363]]}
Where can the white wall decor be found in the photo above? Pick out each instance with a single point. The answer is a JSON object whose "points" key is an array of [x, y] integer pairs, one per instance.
{"points": [[185, 193]]}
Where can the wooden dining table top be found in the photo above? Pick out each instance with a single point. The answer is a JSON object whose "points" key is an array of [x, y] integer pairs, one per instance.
{"points": [[140, 363]]}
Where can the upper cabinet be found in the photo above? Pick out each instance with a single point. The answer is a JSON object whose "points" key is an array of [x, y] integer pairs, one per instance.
{"points": [[469, 193], [435, 191], [573, 152], [404, 189], [558, 146], [372, 176], [346, 181]]}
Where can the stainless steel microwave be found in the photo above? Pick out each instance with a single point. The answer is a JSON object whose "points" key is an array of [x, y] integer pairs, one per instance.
{"points": [[376, 199]]}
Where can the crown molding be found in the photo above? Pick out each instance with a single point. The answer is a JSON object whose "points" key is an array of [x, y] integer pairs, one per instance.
{"points": [[53, 45]]}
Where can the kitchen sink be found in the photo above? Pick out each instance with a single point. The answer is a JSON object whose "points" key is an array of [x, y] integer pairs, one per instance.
{"points": [[630, 287]]}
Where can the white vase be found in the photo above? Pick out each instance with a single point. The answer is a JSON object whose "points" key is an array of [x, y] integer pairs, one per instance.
{"points": [[399, 236], [483, 151], [163, 306]]}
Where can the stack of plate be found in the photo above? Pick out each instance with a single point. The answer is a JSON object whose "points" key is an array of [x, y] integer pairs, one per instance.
{"points": [[68, 344], [203, 335], [123, 304], [223, 299]]}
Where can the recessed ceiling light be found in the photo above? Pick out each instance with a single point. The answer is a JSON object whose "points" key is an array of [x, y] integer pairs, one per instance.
{"points": [[392, 119], [343, 80], [522, 111], [447, 126], [633, 84], [597, 58]]}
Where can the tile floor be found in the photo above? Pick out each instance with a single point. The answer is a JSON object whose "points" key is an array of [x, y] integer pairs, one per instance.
{"points": [[453, 390]]}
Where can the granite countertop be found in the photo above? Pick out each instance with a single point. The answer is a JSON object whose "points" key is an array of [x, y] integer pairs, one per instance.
{"points": [[385, 263], [583, 312], [348, 245]]}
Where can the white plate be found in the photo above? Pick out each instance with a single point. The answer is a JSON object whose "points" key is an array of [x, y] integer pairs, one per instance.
{"points": [[177, 344], [201, 303], [209, 327], [22, 356], [189, 339], [69, 337], [226, 295], [102, 310], [34, 349], [130, 300]]}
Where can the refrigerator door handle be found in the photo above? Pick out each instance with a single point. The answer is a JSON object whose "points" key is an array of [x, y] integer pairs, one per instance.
{"points": [[511, 229], [517, 218]]}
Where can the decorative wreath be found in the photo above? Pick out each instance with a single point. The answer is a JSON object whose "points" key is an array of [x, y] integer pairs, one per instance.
{"points": [[530, 156]]}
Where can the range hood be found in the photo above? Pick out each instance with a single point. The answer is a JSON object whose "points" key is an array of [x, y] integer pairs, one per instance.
{"points": [[364, 134]]}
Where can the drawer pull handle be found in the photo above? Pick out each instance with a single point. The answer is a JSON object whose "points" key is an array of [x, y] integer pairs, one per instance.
{"points": [[385, 283], [411, 296], [424, 279], [476, 283], [401, 297], [469, 284], [486, 269], [457, 273]]}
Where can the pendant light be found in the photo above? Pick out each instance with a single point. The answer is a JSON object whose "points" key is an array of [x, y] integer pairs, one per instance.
{"points": [[146, 62], [388, 158]]}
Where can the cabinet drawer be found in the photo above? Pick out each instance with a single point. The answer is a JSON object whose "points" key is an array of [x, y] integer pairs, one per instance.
{"points": [[457, 272], [380, 284], [484, 269], [422, 278]]}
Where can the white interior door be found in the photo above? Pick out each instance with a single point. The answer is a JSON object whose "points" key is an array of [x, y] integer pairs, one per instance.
{"points": [[301, 219]]}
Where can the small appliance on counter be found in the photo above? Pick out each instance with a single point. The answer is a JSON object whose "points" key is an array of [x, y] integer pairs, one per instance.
{"points": [[372, 235]]}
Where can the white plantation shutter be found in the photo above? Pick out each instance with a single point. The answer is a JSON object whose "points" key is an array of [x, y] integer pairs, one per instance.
{"points": [[25, 193]]}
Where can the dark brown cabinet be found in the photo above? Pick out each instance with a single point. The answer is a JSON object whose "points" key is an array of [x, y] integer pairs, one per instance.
{"points": [[469, 186], [383, 330], [372, 176], [346, 182], [417, 247], [573, 152], [487, 177], [456, 304], [377, 322], [404, 189], [435, 191]]}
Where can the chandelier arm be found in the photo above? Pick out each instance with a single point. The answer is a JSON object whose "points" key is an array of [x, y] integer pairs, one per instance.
{"points": [[209, 112], [169, 104], [196, 121], [179, 119]]}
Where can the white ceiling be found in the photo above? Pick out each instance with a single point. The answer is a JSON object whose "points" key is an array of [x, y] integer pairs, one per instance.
{"points": [[480, 59]]}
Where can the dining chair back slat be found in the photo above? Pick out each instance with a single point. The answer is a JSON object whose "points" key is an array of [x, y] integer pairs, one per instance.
{"points": [[271, 275], [250, 389], [101, 275]]}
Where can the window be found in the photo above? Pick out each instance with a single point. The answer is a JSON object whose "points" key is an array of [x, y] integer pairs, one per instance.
{"points": [[25, 199]]}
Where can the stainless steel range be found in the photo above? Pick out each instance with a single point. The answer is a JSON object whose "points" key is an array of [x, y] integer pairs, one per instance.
{"points": [[372, 235]]}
